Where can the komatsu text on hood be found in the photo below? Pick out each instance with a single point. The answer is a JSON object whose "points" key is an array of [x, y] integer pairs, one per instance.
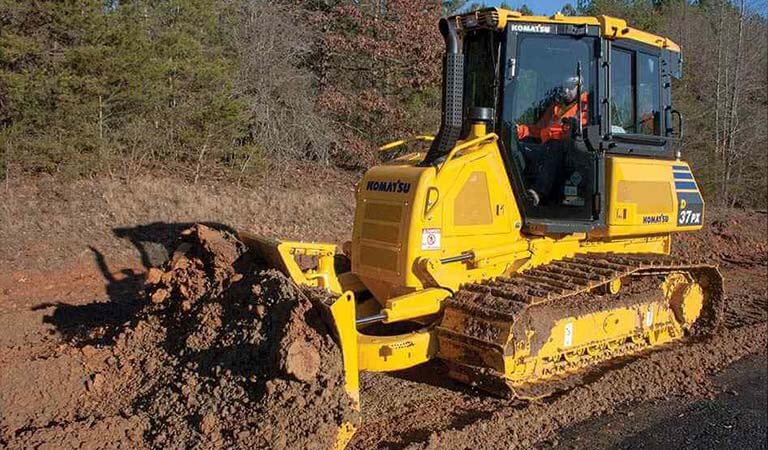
{"points": [[388, 186]]}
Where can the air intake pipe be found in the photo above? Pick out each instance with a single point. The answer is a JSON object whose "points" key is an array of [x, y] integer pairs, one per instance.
{"points": [[453, 93]]}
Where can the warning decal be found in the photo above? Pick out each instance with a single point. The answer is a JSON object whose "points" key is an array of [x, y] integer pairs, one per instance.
{"points": [[430, 239]]}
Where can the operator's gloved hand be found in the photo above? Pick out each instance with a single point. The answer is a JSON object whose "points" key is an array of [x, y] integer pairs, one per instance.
{"points": [[533, 196], [569, 126]]}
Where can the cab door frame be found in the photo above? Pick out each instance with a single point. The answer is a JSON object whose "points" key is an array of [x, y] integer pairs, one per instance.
{"points": [[638, 144], [593, 134]]}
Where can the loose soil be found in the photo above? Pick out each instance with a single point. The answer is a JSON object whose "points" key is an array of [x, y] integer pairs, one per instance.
{"points": [[223, 354], [220, 353], [734, 418]]}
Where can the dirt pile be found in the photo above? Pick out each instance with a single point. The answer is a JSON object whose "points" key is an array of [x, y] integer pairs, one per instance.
{"points": [[730, 236], [225, 354], [254, 365]]}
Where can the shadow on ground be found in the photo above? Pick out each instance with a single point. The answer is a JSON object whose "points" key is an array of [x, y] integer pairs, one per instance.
{"points": [[97, 323], [435, 373], [157, 240]]}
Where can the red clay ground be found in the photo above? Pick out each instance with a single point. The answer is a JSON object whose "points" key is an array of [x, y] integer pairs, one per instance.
{"points": [[61, 385]]}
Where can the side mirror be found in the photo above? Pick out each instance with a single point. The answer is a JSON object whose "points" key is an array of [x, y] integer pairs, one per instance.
{"points": [[679, 134]]}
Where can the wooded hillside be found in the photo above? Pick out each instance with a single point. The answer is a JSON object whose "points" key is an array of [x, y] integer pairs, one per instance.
{"points": [[225, 88]]}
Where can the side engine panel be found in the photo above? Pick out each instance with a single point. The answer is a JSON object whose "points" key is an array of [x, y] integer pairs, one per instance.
{"points": [[650, 196]]}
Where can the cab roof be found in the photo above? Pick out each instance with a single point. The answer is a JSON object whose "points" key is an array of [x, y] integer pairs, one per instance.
{"points": [[611, 27]]}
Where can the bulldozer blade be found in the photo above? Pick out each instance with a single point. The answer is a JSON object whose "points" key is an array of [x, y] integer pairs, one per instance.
{"points": [[282, 255], [341, 313], [338, 310]]}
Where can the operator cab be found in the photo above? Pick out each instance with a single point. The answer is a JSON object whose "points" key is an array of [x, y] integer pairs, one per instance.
{"points": [[562, 97]]}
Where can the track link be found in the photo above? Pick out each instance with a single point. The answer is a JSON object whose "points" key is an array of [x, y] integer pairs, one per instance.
{"points": [[503, 334]]}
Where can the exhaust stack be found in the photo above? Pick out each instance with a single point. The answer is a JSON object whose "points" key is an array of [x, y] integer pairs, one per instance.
{"points": [[453, 93]]}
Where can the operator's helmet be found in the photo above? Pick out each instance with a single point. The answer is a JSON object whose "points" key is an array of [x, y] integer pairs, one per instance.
{"points": [[570, 87]]}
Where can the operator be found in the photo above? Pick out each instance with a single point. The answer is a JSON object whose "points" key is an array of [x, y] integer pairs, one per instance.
{"points": [[562, 105], [551, 130]]}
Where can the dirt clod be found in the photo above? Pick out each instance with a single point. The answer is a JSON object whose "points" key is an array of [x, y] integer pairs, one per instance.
{"points": [[302, 361]]}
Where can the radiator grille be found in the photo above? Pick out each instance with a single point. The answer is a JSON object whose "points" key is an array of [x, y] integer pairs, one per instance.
{"points": [[381, 232], [383, 212]]}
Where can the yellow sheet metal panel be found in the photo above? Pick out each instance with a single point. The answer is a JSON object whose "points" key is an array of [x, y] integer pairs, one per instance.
{"points": [[650, 196], [464, 203], [389, 233], [385, 196], [472, 206], [383, 212], [378, 257], [656, 195], [660, 243], [502, 229]]}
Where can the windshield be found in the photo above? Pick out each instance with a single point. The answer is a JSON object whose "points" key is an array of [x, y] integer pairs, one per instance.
{"points": [[546, 78], [481, 57]]}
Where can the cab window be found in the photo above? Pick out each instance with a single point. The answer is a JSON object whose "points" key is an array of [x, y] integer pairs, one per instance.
{"points": [[481, 53], [622, 92], [547, 67], [635, 92], [648, 95]]}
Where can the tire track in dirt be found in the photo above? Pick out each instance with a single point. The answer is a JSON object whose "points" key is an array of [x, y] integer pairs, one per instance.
{"points": [[683, 369], [409, 405]]}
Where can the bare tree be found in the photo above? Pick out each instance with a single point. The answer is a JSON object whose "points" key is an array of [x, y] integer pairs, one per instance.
{"points": [[723, 95]]}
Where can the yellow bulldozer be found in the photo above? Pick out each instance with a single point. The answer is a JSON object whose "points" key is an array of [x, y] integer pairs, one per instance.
{"points": [[531, 239]]}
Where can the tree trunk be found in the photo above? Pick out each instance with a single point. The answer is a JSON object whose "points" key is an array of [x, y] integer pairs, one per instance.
{"points": [[735, 94]]}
